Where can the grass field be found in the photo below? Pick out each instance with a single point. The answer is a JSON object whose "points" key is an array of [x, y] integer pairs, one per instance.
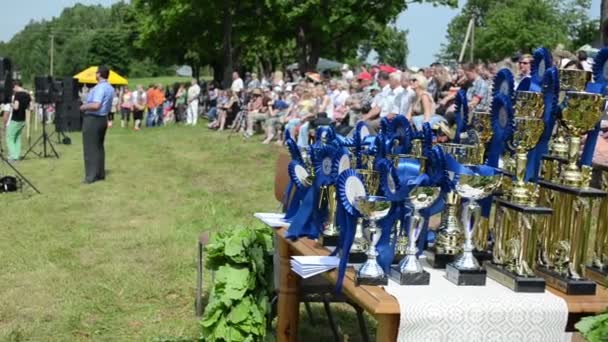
{"points": [[115, 261]]}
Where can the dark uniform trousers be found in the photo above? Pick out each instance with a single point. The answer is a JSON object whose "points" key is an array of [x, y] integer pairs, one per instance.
{"points": [[93, 135]]}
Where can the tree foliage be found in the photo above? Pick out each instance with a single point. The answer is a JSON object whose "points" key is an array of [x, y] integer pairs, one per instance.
{"points": [[83, 36], [389, 43], [503, 27]]}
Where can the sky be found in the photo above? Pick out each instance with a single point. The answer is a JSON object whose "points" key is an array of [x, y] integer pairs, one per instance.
{"points": [[426, 24]]}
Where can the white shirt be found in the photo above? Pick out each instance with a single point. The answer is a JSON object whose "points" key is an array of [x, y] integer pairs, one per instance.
{"points": [[587, 66], [404, 102], [194, 92], [348, 75], [389, 100], [237, 85], [379, 98], [340, 100]]}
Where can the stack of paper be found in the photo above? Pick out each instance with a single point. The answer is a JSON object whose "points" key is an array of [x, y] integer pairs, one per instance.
{"points": [[274, 220], [308, 266]]}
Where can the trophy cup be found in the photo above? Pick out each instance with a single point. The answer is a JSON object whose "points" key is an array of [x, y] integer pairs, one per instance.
{"points": [[466, 269], [331, 233], [400, 234], [373, 208], [448, 241], [526, 134], [482, 123], [360, 245], [409, 271], [579, 117]]}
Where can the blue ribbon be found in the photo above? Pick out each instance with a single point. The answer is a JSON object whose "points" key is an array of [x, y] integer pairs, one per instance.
{"points": [[292, 146], [400, 129], [346, 219], [461, 114], [501, 126], [293, 204], [541, 56], [503, 83], [308, 220], [324, 154], [386, 248], [599, 87], [550, 95]]}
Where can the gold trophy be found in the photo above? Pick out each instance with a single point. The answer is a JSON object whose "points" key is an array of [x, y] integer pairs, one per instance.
{"points": [[526, 134], [569, 80], [566, 237], [517, 216], [597, 270], [448, 243]]}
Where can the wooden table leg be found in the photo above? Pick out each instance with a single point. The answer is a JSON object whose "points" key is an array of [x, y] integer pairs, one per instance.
{"points": [[288, 308], [388, 328]]}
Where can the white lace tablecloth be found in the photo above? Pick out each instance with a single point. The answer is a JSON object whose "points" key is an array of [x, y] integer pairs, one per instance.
{"points": [[446, 312]]}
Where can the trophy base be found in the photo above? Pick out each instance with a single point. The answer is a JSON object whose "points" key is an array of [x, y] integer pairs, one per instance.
{"points": [[600, 276], [465, 277], [370, 281], [514, 282], [357, 257], [581, 287], [437, 260], [423, 278], [397, 259], [482, 256], [330, 240]]}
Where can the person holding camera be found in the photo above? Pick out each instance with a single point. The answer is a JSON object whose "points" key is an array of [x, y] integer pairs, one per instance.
{"points": [[16, 121], [95, 123]]}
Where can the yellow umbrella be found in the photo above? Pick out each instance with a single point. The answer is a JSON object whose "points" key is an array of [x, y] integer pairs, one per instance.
{"points": [[88, 76]]}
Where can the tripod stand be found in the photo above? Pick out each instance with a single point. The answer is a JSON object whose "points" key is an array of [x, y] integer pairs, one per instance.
{"points": [[44, 139], [19, 174]]}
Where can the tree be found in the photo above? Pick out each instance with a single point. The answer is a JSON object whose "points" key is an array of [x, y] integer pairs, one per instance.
{"points": [[389, 43], [505, 27], [604, 22]]}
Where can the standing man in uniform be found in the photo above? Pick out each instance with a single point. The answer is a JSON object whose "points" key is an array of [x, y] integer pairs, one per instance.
{"points": [[96, 108], [16, 121]]}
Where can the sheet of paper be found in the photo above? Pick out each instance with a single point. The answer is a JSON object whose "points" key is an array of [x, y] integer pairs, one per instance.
{"points": [[317, 260], [274, 220]]}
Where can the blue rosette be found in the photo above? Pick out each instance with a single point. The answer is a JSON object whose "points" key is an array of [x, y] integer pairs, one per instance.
{"points": [[427, 138], [341, 162], [323, 164], [502, 126], [400, 129], [461, 114], [503, 83], [384, 125], [349, 185], [550, 96], [298, 176], [292, 147], [325, 132], [542, 60], [600, 67]]}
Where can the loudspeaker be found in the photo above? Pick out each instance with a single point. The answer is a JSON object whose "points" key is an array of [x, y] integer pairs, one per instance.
{"points": [[43, 89], [6, 80], [70, 89], [67, 116]]}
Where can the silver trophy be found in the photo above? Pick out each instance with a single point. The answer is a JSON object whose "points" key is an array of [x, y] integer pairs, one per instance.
{"points": [[410, 271], [466, 269], [372, 208]]}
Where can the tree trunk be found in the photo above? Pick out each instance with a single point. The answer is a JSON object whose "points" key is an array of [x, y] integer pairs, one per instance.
{"points": [[604, 22], [315, 53], [227, 43], [302, 49]]}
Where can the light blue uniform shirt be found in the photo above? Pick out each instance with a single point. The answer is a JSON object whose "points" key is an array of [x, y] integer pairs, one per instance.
{"points": [[102, 93]]}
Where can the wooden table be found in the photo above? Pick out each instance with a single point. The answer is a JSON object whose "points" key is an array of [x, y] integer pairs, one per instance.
{"points": [[374, 299]]}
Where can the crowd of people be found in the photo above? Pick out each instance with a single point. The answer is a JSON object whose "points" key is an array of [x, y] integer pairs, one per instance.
{"points": [[294, 102]]}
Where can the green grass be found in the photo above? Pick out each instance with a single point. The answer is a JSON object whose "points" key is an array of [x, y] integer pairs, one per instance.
{"points": [[164, 80], [116, 260]]}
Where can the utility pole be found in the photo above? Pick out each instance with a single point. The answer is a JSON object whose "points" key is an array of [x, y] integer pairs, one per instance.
{"points": [[52, 52], [472, 39]]}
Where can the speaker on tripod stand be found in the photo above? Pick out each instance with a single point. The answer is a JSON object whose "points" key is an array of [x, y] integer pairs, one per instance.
{"points": [[45, 94], [67, 109]]}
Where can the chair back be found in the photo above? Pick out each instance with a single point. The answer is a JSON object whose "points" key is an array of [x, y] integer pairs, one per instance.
{"points": [[281, 176]]}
